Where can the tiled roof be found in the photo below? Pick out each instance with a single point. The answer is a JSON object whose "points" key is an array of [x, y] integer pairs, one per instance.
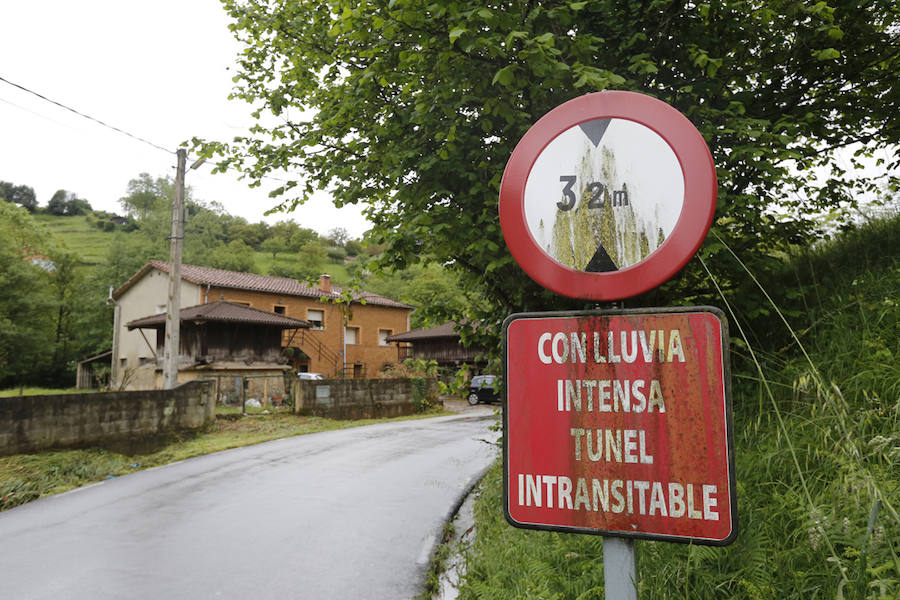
{"points": [[447, 330], [223, 312], [251, 281]]}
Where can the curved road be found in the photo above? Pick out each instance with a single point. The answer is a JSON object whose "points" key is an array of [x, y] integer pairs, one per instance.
{"points": [[343, 514]]}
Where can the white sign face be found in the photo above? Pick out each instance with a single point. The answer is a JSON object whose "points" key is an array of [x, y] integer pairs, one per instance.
{"points": [[604, 195]]}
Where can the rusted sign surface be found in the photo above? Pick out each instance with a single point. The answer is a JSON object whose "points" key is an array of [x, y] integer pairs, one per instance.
{"points": [[619, 422]]}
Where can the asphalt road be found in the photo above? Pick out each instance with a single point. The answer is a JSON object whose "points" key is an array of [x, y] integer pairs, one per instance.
{"points": [[343, 514]]}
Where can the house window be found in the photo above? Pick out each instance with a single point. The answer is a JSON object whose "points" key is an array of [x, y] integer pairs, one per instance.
{"points": [[351, 335], [383, 336], [279, 310], [316, 319]]}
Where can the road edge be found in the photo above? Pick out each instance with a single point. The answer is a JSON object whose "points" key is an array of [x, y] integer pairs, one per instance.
{"points": [[440, 537]]}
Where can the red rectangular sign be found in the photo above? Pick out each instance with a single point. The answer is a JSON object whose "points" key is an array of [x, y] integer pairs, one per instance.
{"points": [[619, 423]]}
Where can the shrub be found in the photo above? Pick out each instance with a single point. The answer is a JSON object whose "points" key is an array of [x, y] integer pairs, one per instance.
{"points": [[336, 253]]}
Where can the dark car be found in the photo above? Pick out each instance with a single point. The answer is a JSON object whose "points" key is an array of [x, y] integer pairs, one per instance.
{"points": [[484, 388]]}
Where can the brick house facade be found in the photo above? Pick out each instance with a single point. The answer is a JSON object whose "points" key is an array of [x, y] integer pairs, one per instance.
{"points": [[359, 349]]}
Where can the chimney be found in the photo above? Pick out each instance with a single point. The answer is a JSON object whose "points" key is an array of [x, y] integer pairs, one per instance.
{"points": [[325, 283]]}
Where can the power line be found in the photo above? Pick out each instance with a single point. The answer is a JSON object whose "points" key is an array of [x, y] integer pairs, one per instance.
{"points": [[37, 114], [98, 121], [81, 114]]}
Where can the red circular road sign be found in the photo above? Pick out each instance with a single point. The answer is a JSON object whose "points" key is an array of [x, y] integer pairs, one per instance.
{"points": [[607, 196]]}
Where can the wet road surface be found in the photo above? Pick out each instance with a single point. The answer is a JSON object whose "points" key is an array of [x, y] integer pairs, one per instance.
{"points": [[341, 514]]}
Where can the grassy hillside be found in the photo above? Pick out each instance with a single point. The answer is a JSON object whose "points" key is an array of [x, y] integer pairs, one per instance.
{"points": [[817, 447], [81, 235], [290, 260]]}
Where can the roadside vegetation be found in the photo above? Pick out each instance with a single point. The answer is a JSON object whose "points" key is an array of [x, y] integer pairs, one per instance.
{"points": [[27, 477], [817, 448], [39, 391]]}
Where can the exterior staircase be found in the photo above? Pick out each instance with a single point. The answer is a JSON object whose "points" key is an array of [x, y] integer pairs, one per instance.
{"points": [[313, 347]]}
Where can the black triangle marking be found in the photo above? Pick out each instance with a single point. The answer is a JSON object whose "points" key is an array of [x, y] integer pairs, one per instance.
{"points": [[595, 129], [601, 262]]}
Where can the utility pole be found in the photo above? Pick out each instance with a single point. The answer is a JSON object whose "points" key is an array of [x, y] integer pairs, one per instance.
{"points": [[173, 306]]}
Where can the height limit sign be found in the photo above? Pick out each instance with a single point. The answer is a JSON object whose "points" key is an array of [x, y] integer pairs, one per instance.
{"points": [[607, 196], [617, 423]]}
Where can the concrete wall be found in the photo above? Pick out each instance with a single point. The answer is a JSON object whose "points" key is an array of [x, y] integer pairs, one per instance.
{"points": [[364, 398], [33, 423], [264, 383]]}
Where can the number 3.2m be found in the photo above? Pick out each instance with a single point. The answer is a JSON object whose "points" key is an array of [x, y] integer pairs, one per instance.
{"points": [[596, 190]]}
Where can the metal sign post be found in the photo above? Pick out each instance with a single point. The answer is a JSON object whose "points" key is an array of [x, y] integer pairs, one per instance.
{"points": [[619, 569], [617, 423]]}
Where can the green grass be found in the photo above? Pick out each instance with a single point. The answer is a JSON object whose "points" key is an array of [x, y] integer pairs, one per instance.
{"points": [[264, 262], [27, 477], [36, 391], [79, 235], [817, 449]]}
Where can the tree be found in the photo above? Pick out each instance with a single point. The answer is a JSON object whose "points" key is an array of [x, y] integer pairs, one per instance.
{"points": [[146, 196], [148, 203], [338, 236], [301, 237], [205, 230], [252, 234], [26, 309], [207, 225], [127, 253], [57, 203], [312, 258], [22, 195], [275, 245], [234, 256], [435, 291], [64, 203], [78, 206], [71, 295], [353, 247], [413, 111]]}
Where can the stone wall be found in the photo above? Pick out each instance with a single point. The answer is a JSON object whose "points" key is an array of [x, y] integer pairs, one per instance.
{"points": [[364, 398], [32, 423]]}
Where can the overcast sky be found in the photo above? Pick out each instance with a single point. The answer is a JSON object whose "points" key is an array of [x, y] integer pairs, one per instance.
{"points": [[158, 69]]}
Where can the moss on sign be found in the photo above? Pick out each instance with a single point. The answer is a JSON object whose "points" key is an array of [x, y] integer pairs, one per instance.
{"points": [[603, 219]]}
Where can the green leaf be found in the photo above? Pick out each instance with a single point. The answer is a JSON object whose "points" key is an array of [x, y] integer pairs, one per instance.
{"points": [[505, 76], [456, 32], [515, 35], [828, 54]]}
